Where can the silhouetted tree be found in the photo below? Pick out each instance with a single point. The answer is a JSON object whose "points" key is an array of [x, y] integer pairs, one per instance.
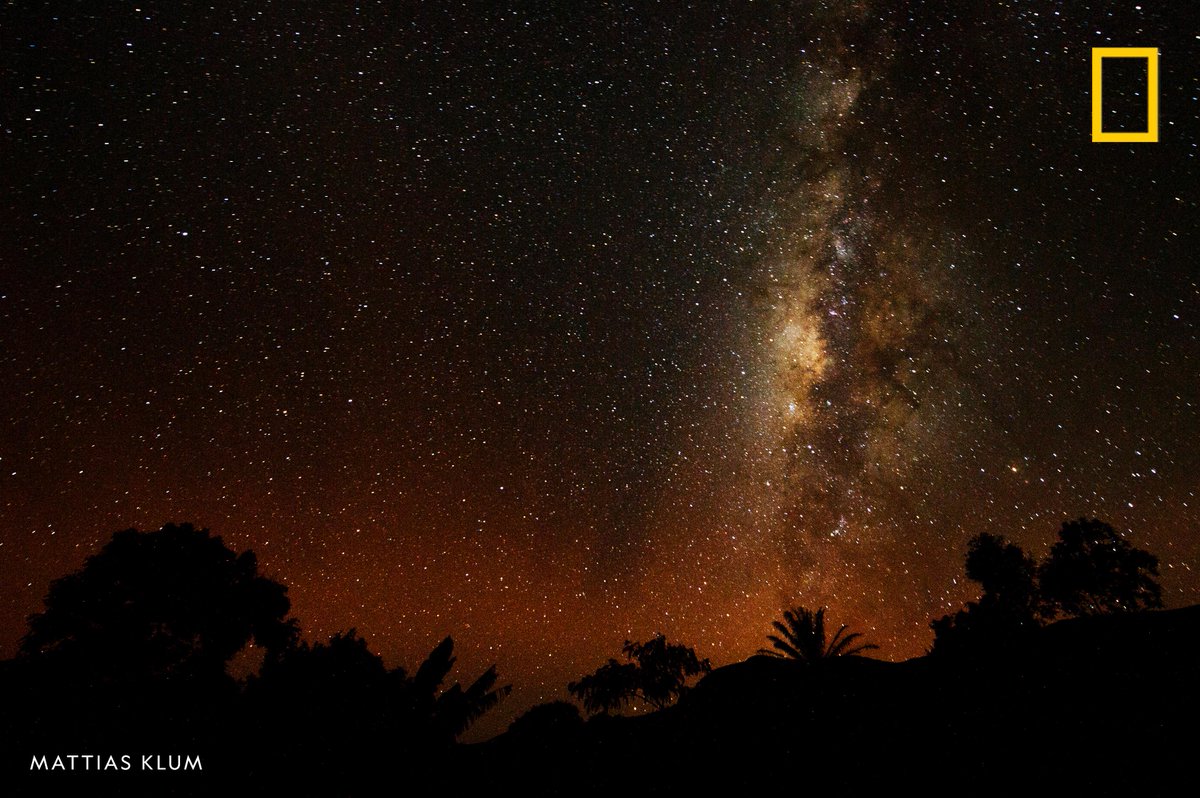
{"points": [[335, 709], [611, 687], [1092, 570], [1010, 605], [132, 648], [657, 673], [318, 670], [802, 637], [453, 711], [175, 603], [344, 676], [307, 691], [1006, 573]]}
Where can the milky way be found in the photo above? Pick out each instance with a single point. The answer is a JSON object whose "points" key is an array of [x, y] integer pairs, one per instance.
{"points": [[861, 328]]}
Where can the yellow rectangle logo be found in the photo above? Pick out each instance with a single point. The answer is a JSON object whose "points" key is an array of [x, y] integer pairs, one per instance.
{"points": [[1151, 56]]}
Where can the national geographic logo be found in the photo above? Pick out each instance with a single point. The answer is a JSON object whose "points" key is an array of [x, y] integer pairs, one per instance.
{"points": [[1150, 55]]}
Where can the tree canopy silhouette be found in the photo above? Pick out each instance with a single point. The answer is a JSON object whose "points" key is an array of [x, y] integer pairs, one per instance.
{"points": [[1092, 570], [176, 603], [1010, 605], [802, 637], [344, 682], [1006, 573], [657, 673]]}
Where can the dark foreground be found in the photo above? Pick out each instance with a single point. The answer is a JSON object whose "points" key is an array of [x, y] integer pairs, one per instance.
{"points": [[1088, 706]]}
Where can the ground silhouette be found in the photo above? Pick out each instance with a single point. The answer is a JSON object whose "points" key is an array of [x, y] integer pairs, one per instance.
{"points": [[130, 656], [1100, 705]]}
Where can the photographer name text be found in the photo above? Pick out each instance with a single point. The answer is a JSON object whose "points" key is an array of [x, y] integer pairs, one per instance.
{"points": [[115, 762]]}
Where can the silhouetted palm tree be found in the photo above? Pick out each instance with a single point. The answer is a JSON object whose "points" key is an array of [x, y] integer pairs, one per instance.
{"points": [[802, 636]]}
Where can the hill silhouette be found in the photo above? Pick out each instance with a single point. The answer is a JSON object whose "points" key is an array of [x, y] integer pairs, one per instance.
{"points": [[1095, 705], [1100, 705]]}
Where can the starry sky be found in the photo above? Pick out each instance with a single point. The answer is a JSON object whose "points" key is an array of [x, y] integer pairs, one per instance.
{"points": [[552, 328]]}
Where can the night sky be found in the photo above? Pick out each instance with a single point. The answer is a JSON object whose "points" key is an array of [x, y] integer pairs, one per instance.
{"points": [[548, 329]]}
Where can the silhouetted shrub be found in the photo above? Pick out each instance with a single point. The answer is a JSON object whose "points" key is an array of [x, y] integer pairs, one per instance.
{"points": [[657, 673]]}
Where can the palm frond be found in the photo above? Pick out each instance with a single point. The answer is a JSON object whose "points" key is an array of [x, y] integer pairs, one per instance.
{"points": [[433, 670], [783, 648], [802, 637], [843, 645]]}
